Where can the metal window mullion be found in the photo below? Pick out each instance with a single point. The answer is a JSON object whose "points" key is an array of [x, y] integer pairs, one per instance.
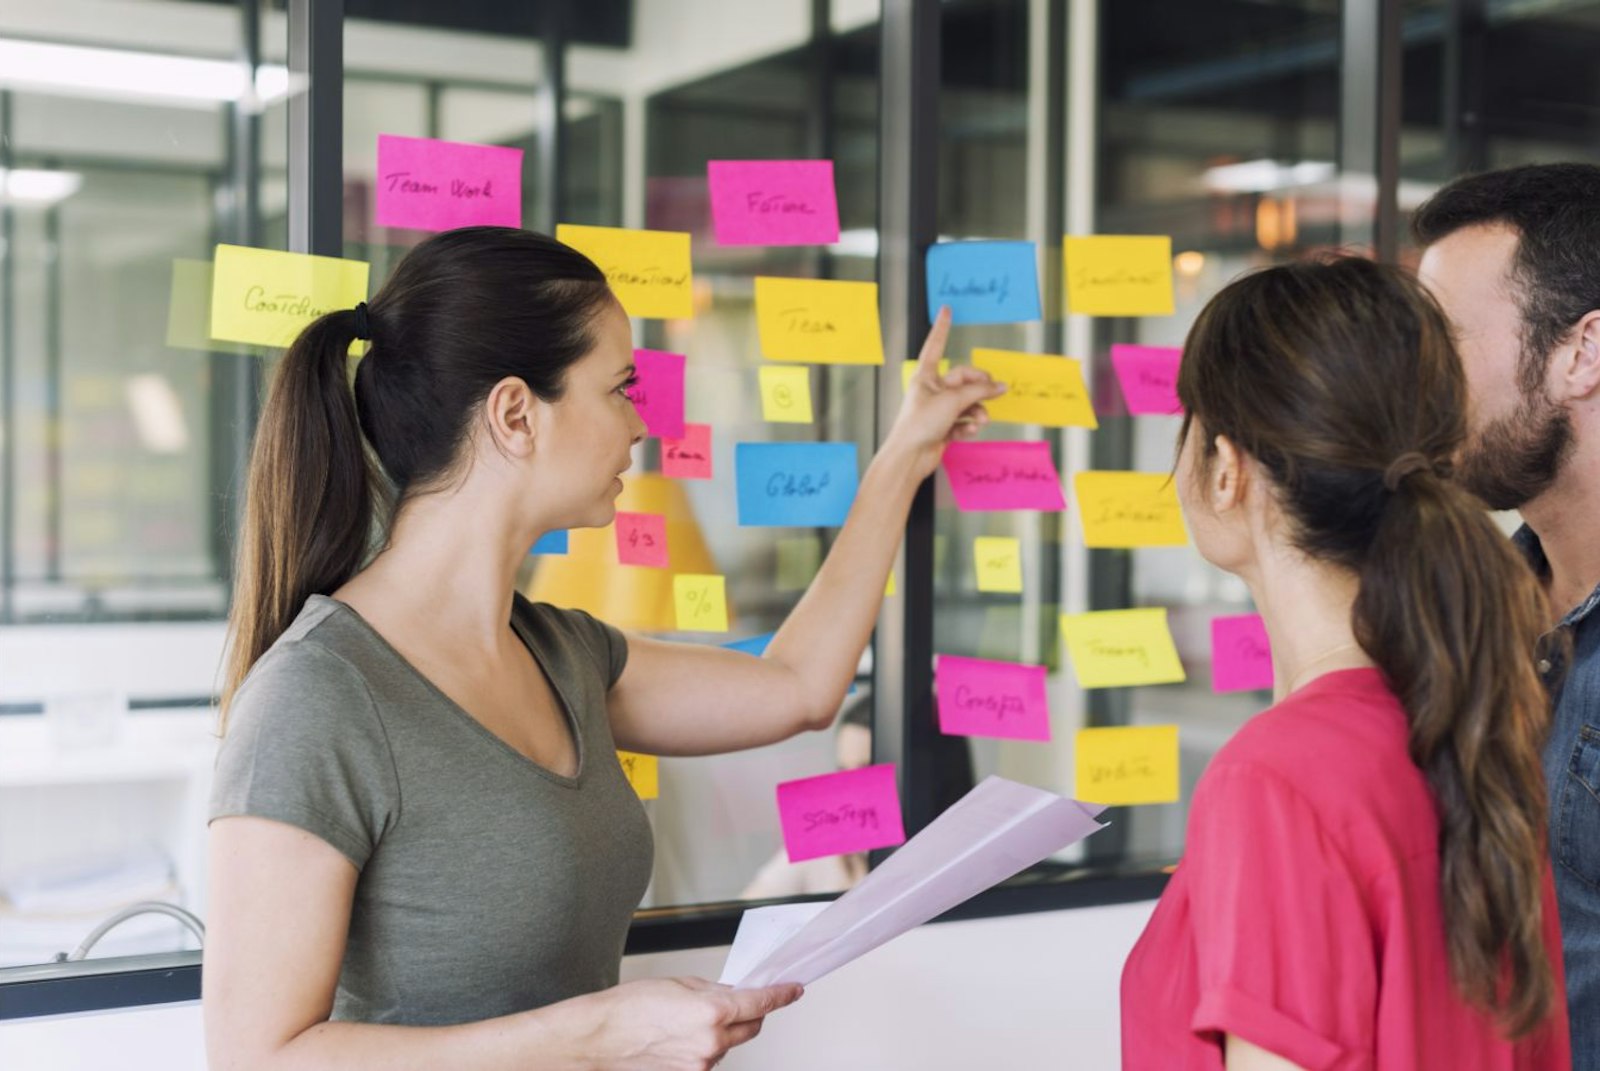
{"points": [[316, 125], [1370, 53]]}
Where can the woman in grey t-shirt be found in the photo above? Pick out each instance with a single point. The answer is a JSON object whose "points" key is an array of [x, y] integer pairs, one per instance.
{"points": [[424, 852]]}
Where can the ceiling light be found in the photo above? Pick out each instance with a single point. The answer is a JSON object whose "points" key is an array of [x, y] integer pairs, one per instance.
{"points": [[1261, 176], [26, 186], [81, 71]]}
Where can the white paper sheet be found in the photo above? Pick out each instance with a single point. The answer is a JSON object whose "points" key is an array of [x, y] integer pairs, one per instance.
{"points": [[998, 829], [763, 929]]}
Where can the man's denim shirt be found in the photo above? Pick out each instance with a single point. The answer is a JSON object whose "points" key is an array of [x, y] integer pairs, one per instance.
{"points": [[1572, 775]]}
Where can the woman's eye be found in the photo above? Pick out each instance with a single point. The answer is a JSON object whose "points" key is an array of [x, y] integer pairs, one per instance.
{"points": [[628, 385]]}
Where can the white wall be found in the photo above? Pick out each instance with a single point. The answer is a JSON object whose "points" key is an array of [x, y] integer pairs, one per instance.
{"points": [[1024, 991]]}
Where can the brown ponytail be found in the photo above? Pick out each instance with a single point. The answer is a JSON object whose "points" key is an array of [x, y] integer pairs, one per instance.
{"points": [[1341, 379]]}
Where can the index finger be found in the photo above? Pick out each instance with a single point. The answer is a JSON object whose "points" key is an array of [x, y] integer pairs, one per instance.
{"points": [[933, 345], [755, 1003]]}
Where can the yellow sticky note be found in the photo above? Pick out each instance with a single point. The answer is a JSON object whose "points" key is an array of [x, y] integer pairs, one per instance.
{"points": [[267, 297], [1121, 648], [1129, 509], [643, 772], [785, 394], [648, 270], [1124, 765], [909, 369], [1041, 389], [189, 309], [818, 321], [701, 601], [999, 563], [799, 558], [889, 588], [1118, 275]]}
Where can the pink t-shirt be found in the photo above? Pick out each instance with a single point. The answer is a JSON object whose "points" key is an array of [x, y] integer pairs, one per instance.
{"points": [[1306, 915]]}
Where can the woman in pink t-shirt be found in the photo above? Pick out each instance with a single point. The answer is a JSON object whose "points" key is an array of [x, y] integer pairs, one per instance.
{"points": [[1365, 883]]}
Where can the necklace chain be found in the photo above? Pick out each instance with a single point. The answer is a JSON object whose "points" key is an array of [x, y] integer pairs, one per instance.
{"points": [[1294, 682]]}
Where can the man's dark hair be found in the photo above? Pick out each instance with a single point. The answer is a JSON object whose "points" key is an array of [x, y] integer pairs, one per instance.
{"points": [[1555, 209]]}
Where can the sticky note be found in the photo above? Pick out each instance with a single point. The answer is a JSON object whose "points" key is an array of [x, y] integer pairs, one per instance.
{"points": [[1129, 509], [648, 270], [1002, 475], [642, 539], [773, 202], [977, 697], [551, 543], [1241, 654], [786, 394], [806, 484], [818, 321], [909, 369], [799, 558], [1119, 275], [643, 773], [1121, 648], [1127, 764], [701, 602], [755, 645], [689, 456], [267, 297], [658, 395], [998, 560], [889, 586], [984, 282], [433, 185], [838, 813], [1040, 389], [1149, 377]]}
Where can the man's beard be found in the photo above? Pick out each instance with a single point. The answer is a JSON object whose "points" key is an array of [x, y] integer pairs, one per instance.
{"points": [[1515, 458]]}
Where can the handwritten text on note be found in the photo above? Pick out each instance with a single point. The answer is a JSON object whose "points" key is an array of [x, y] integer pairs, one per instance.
{"points": [[267, 297], [977, 697], [433, 185], [773, 202], [818, 321], [1119, 275], [984, 282], [1121, 648], [689, 456], [1003, 475], [808, 484], [1040, 389], [648, 270], [658, 394], [642, 539], [701, 602], [1149, 377], [1127, 764], [1241, 654], [1129, 509], [838, 813]]}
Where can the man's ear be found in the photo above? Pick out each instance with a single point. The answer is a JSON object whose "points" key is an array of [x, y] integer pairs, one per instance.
{"points": [[1577, 372], [508, 412], [1225, 482]]}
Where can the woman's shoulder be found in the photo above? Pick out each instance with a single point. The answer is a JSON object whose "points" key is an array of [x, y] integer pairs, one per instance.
{"points": [[315, 662]]}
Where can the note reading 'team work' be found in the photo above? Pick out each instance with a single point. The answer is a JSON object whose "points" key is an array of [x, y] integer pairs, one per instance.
{"points": [[818, 321], [838, 813], [1129, 509], [1119, 275], [433, 185], [1241, 654], [1003, 475], [977, 697], [688, 457], [1121, 648], [643, 773], [1149, 377], [1040, 389], [267, 297], [807, 484], [642, 539], [658, 392], [773, 202], [1127, 764], [700, 601], [648, 270], [984, 282]]}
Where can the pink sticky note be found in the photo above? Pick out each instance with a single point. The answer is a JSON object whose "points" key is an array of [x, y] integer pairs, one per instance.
{"points": [[1149, 377], [688, 457], [434, 185], [773, 202], [853, 811], [1004, 475], [642, 539], [982, 698], [659, 393], [1241, 657]]}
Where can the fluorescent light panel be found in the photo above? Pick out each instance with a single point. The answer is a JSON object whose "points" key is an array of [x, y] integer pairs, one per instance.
{"points": [[25, 186], [121, 74]]}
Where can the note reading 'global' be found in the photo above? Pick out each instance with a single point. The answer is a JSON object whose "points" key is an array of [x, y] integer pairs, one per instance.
{"points": [[807, 484]]}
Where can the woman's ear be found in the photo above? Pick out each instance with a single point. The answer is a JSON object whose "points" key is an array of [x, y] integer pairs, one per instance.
{"points": [[1225, 482], [509, 413]]}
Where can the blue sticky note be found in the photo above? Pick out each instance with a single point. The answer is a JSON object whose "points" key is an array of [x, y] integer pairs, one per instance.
{"points": [[551, 543], [984, 282], [756, 645], [805, 484]]}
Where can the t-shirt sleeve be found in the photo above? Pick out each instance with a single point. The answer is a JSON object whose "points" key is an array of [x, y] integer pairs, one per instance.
{"points": [[1284, 950], [606, 644], [304, 745]]}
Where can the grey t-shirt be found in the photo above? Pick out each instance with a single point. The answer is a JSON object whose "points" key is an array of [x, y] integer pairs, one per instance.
{"points": [[488, 884]]}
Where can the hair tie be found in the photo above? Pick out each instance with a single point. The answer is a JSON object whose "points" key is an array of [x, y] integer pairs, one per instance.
{"points": [[363, 328], [1407, 464]]}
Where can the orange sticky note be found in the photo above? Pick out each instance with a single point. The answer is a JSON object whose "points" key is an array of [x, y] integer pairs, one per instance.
{"points": [[1127, 765], [1129, 509], [1121, 648], [643, 773], [785, 394], [818, 321], [1118, 275], [267, 297], [999, 563], [1041, 389], [642, 539], [701, 602], [648, 270]]}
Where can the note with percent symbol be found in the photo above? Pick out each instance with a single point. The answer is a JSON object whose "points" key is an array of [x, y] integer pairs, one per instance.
{"points": [[998, 563], [701, 602], [1127, 764]]}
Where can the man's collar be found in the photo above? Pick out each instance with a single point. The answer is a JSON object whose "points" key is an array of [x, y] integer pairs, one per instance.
{"points": [[1528, 543]]}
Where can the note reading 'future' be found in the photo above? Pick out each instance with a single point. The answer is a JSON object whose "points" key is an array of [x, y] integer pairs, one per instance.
{"points": [[1119, 275], [984, 282], [689, 456], [807, 484], [433, 185], [1127, 765], [267, 297], [1129, 509], [658, 394], [998, 699], [642, 539], [1149, 377], [1241, 654], [1002, 475], [1040, 389], [1121, 648], [648, 270], [701, 602], [818, 321], [773, 202], [838, 813]]}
